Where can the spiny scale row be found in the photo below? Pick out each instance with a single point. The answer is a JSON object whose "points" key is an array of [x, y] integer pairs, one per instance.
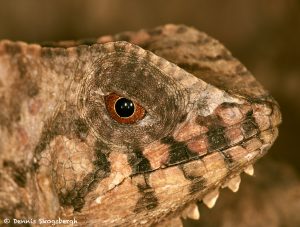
{"points": [[210, 199]]}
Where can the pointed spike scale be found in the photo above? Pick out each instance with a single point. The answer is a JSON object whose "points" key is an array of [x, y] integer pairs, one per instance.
{"points": [[191, 212], [234, 183], [211, 198], [249, 170]]}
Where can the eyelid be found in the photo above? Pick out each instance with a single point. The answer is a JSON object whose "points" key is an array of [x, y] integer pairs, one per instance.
{"points": [[110, 102]]}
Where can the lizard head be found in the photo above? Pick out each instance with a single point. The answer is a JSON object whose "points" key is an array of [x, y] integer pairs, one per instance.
{"points": [[132, 136], [189, 139]]}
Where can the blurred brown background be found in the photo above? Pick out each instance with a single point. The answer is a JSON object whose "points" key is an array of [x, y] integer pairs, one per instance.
{"points": [[263, 34]]}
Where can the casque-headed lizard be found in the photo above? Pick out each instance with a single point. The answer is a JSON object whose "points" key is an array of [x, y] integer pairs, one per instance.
{"points": [[127, 130]]}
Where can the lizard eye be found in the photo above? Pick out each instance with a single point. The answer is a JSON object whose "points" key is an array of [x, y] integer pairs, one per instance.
{"points": [[123, 110]]}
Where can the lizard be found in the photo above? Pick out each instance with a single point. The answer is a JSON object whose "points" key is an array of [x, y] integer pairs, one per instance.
{"points": [[128, 129]]}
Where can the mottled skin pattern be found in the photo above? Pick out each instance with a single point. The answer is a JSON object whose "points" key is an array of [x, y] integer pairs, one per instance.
{"points": [[62, 155]]}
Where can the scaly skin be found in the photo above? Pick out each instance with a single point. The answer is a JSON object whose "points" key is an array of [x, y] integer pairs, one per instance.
{"points": [[63, 156]]}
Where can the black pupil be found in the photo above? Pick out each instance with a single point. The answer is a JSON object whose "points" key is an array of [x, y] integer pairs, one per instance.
{"points": [[124, 107]]}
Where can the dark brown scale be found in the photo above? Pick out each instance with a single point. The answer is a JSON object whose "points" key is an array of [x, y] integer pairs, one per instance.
{"points": [[148, 199], [138, 162]]}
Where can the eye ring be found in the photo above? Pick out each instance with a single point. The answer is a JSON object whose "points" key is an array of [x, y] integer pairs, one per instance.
{"points": [[123, 110]]}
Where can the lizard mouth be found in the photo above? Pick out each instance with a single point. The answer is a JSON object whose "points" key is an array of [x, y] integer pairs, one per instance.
{"points": [[262, 140], [256, 131], [240, 158]]}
